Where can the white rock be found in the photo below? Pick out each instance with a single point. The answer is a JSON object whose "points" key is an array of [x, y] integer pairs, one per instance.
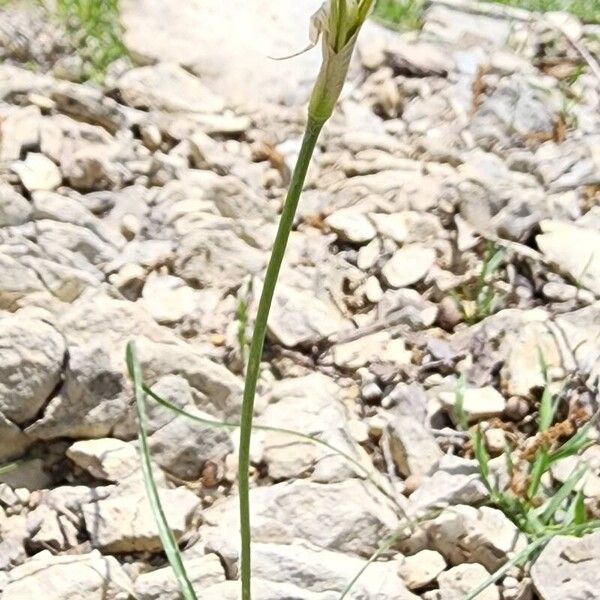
{"points": [[351, 226], [161, 584], [444, 489], [228, 44], [373, 291], [106, 458], [309, 405], [478, 403], [408, 265], [297, 317], [127, 524], [326, 572], [168, 299], [217, 258], [368, 255], [459, 581], [568, 567], [421, 569], [393, 226], [84, 577], [413, 447], [14, 209], [467, 534], [37, 172], [377, 347], [31, 360], [279, 515], [19, 130], [181, 446], [16, 282], [167, 87], [575, 250]]}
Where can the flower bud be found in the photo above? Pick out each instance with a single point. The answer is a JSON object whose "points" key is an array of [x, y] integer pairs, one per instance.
{"points": [[338, 22]]}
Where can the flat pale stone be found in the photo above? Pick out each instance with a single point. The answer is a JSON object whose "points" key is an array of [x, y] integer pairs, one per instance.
{"points": [[408, 265], [127, 524], [459, 581], [478, 403], [421, 569], [351, 226], [37, 172]]}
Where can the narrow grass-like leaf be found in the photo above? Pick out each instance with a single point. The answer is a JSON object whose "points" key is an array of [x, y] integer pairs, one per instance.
{"points": [[292, 433], [384, 546], [167, 538], [540, 466], [577, 443], [459, 404], [483, 459], [7, 468], [576, 513], [547, 511]]}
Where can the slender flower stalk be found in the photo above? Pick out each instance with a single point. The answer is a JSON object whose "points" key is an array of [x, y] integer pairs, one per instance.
{"points": [[338, 23]]}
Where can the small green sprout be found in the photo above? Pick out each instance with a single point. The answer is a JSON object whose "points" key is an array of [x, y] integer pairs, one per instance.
{"points": [[480, 300]]}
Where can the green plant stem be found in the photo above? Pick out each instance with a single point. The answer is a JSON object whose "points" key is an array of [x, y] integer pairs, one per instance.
{"points": [[309, 141]]}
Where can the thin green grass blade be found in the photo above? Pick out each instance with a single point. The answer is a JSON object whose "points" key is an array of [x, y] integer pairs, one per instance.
{"points": [[7, 468], [167, 538], [385, 545], [547, 511], [459, 405], [483, 459], [540, 466], [577, 443], [297, 434], [576, 513]]}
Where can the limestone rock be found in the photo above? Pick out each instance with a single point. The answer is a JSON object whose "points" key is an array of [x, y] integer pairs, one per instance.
{"points": [[279, 515], [106, 458], [408, 265], [32, 354], [377, 347], [37, 172], [181, 446], [14, 209], [84, 577], [322, 571], [575, 250], [224, 56], [568, 567], [413, 447], [467, 534], [127, 524], [168, 87], [299, 318], [309, 405], [160, 584], [217, 258], [422, 568], [459, 581], [478, 403], [443, 489], [351, 226]]}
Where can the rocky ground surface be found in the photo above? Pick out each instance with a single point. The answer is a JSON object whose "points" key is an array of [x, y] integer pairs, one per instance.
{"points": [[145, 210]]}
